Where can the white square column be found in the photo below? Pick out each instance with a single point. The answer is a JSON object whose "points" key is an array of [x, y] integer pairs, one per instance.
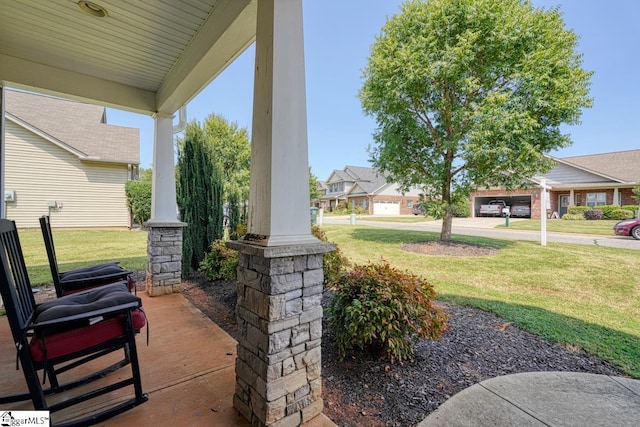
{"points": [[163, 199], [279, 191]]}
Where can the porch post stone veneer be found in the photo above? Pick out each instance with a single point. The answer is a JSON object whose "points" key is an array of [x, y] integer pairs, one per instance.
{"points": [[164, 241], [279, 315], [164, 258]]}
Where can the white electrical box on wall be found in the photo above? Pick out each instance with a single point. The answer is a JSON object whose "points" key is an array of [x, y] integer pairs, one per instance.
{"points": [[9, 196]]}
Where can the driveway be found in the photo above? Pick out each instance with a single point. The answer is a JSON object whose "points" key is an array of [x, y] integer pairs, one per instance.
{"points": [[484, 227]]}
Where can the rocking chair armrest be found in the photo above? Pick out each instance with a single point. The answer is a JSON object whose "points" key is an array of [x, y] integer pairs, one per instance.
{"points": [[107, 311]]}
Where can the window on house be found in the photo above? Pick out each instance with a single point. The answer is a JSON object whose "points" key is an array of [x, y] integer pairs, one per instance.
{"points": [[578, 199], [596, 199], [409, 203]]}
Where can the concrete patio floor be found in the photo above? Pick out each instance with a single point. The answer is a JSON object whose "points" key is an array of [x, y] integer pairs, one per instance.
{"points": [[187, 371]]}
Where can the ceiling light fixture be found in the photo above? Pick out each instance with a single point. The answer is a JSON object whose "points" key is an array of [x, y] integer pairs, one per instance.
{"points": [[93, 9]]}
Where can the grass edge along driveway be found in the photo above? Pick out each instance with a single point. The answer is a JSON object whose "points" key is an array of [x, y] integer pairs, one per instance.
{"points": [[580, 296]]}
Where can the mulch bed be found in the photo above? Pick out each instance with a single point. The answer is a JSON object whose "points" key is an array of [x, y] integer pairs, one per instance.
{"points": [[449, 249], [365, 390]]}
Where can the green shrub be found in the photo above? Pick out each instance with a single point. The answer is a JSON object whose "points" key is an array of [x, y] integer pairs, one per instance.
{"points": [[574, 217], [333, 263], [220, 263], [621, 214], [138, 195], [360, 210], [461, 208], [378, 307], [577, 210], [593, 214]]}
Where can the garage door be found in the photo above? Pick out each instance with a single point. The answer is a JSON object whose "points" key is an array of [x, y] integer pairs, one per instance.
{"points": [[386, 208]]}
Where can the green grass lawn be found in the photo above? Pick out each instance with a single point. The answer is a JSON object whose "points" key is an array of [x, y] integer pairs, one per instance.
{"points": [[80, 248], [603, 227], [573, 294], [403, 219]]}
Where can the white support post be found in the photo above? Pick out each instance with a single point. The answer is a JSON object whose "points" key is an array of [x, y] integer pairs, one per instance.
{"points": [[163, 201], [279, 191]]}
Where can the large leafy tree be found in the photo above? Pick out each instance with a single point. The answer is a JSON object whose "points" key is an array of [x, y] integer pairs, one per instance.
{"points": [[471, 93], [231, 151]]}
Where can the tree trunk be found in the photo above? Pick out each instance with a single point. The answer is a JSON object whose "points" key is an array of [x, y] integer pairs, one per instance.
{"points": [[445, 233]]}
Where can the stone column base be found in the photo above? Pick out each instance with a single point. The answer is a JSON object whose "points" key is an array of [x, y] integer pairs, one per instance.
{"points": [[164, 257], [279, 315]]}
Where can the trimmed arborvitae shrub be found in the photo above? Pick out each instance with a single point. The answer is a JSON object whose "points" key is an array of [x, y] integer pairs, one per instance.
{"points": [[593, 214], [333, 263], [139, 200], [377, 307], [220, 263], [199, 191]]}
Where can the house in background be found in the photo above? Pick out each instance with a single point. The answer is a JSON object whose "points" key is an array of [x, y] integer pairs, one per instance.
{"points": [[593, 180], [63, 159], [368, 189]]}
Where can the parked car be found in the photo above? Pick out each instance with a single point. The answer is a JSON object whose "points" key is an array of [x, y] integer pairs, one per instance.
{"points": [[418, 209], [494, 208], [628, 227], [521, 209]]}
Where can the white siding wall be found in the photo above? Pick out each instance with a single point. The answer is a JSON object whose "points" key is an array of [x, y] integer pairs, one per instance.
{"points": [[37, 170], [392, 190], [567, 174]]}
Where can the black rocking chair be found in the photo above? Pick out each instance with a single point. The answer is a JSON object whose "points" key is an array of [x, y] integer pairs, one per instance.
{"points": [[80, 279], [60, 335]]}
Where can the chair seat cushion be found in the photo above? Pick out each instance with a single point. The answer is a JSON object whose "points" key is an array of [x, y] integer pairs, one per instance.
{"points": [[83, 302], [61, 344], [90, 276], [69, 338]]}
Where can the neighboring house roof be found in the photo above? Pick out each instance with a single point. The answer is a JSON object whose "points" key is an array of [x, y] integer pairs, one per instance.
{"points": [[623, 166], [365, 180], [340, 176], [77, 127], [369, 179]]}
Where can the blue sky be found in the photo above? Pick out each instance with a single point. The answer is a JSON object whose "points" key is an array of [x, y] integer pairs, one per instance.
{"points": [[338, 35]]}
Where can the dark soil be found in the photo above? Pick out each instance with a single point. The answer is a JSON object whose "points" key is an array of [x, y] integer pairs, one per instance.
{"points": [[366, 390]]}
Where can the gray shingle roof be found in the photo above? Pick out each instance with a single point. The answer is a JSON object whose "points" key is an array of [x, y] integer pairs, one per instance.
{"points": [[369, 179], [623, 165], [78, 126]]}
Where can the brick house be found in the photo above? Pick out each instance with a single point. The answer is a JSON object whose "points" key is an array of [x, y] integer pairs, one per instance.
{"points": [[368, 189], [592, 180]]}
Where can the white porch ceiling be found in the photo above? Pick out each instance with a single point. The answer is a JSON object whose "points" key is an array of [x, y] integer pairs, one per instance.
{"points": [[145, 56]]}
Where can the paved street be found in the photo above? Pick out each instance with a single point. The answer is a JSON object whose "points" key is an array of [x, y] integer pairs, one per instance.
{"points": [[484, 227]]}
